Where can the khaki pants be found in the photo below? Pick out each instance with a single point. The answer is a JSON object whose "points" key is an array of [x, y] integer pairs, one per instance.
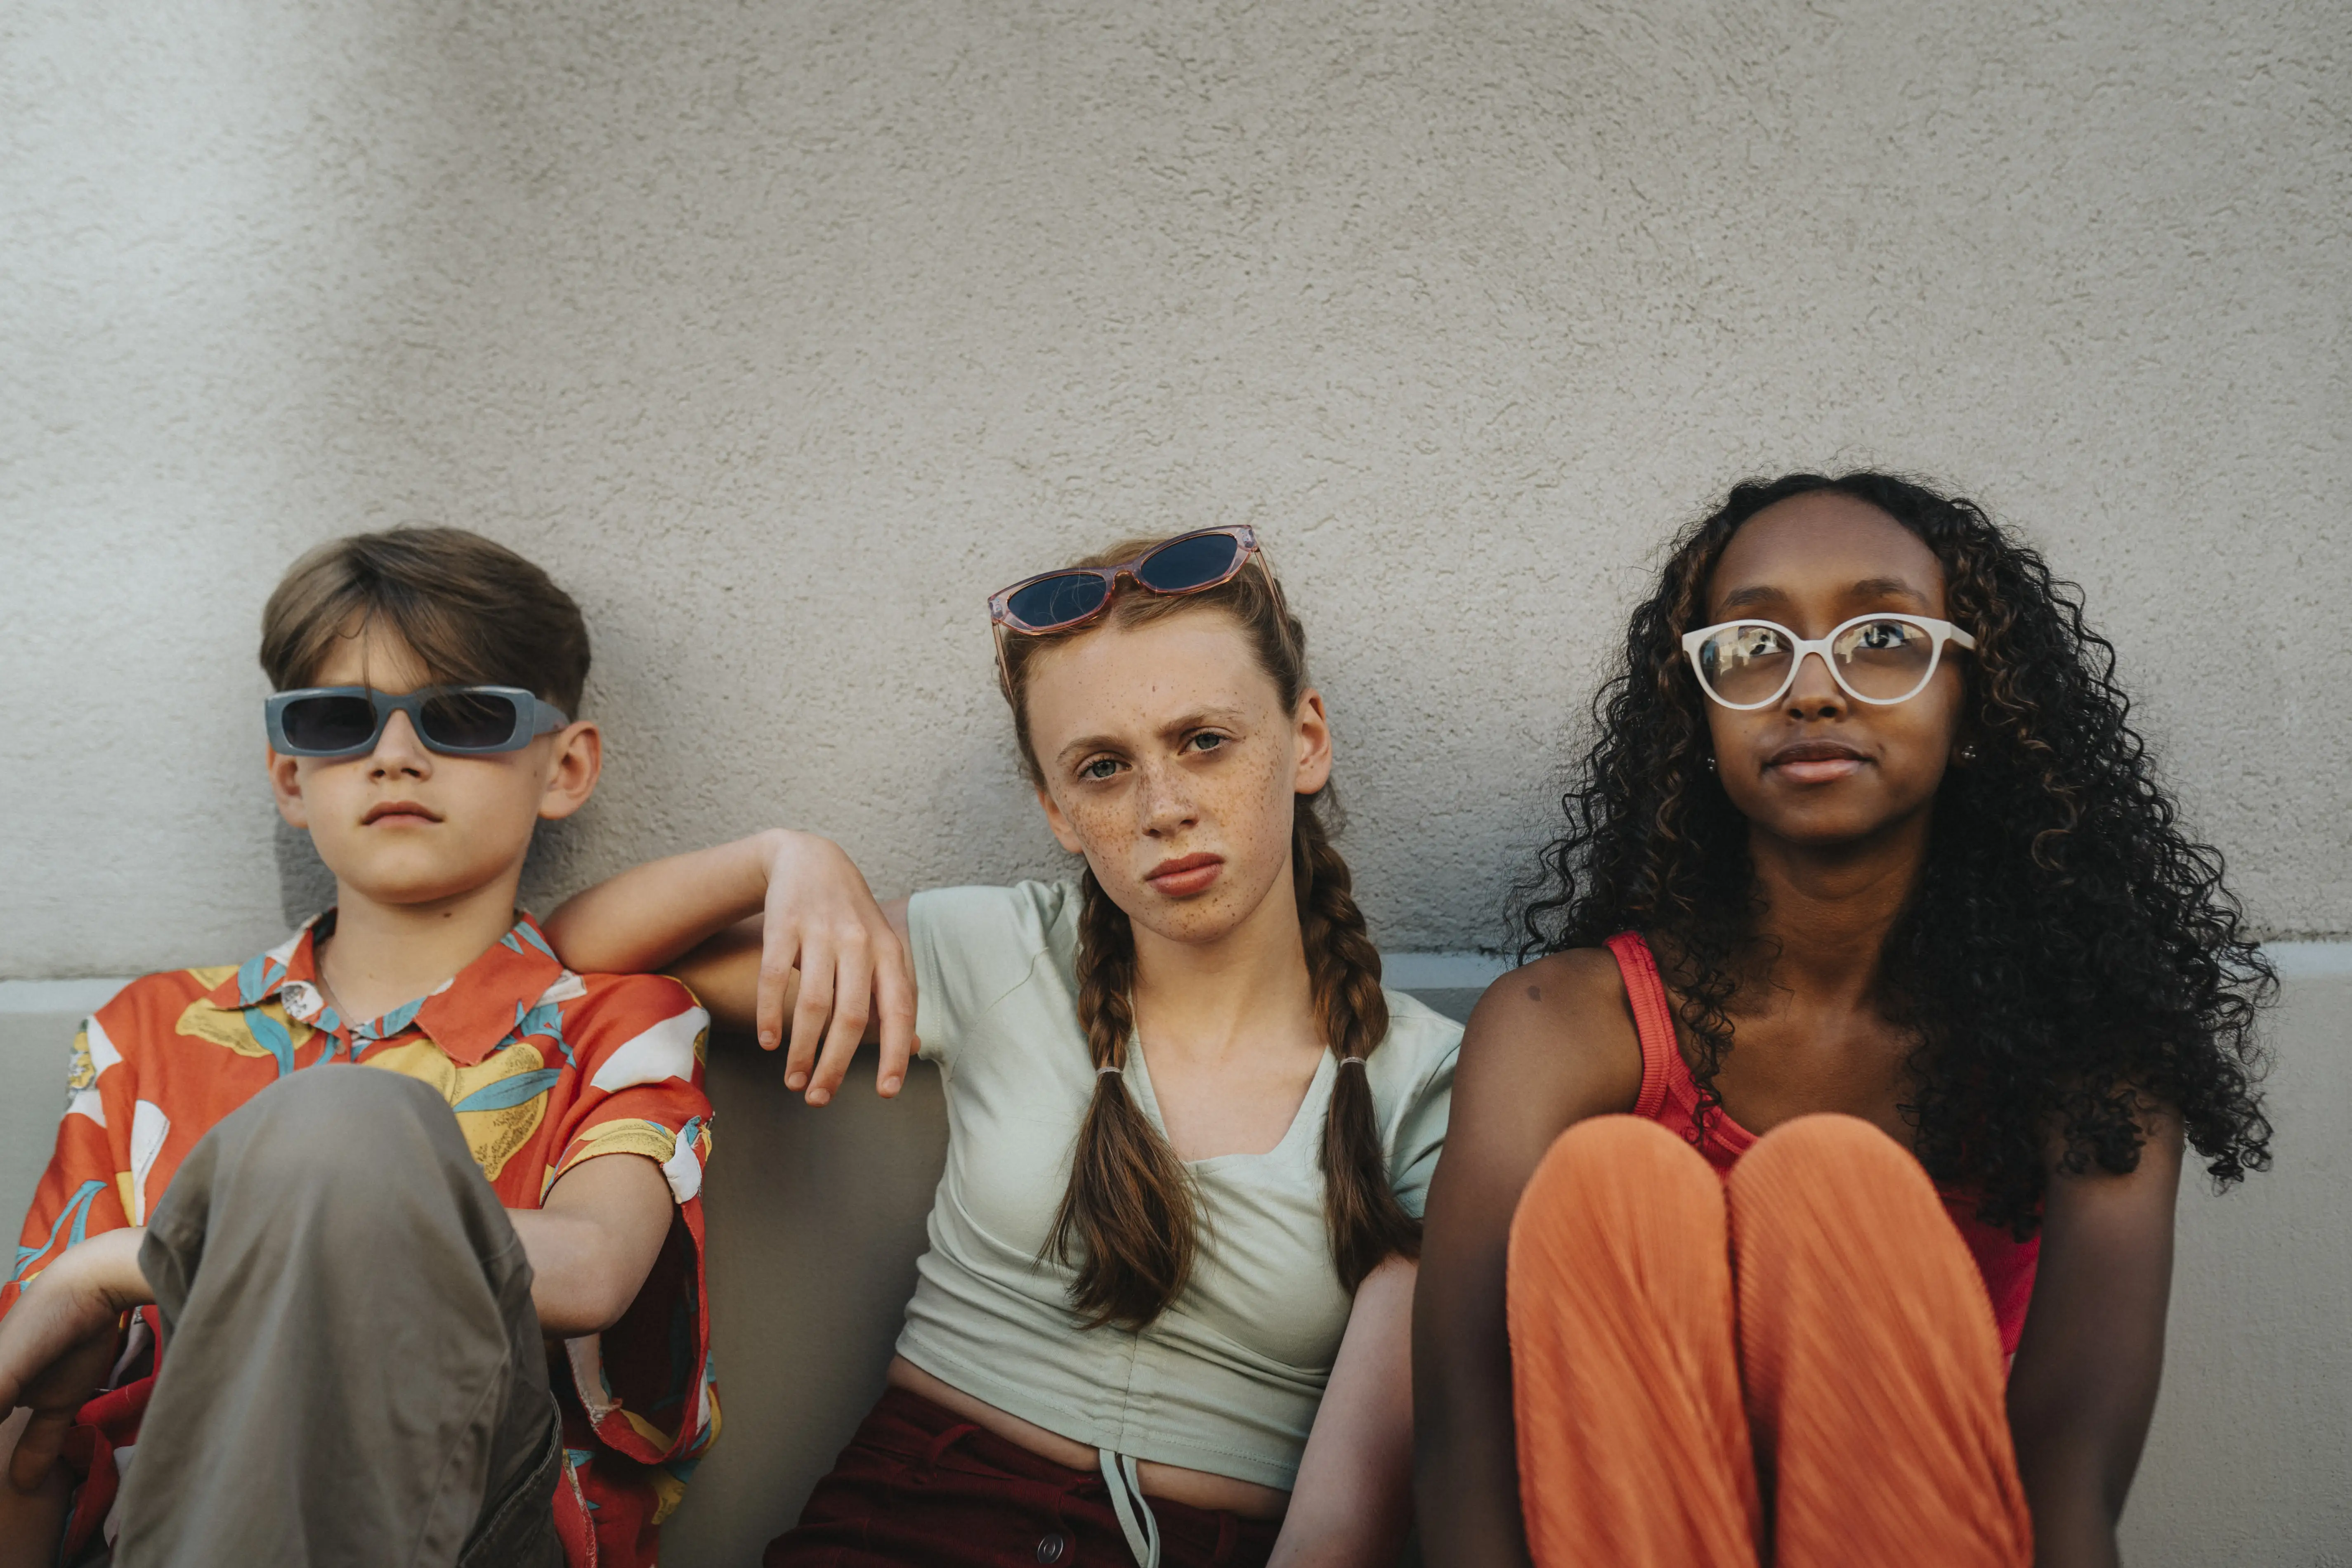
{"points": [[352, 1371]]}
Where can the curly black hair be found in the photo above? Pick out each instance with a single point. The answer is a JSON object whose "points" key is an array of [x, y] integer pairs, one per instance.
{"points": [[2070, 947]]}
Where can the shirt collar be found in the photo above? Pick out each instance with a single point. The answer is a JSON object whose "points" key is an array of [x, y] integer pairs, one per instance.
{"points": [[468, 1015]]}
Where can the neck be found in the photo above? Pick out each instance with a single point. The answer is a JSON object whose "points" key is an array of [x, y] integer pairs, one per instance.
{"points": [[383, 954], [1827, 911], [1248, 987]]}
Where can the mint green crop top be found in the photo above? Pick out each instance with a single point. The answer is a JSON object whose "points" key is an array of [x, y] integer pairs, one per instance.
{"points": [[1227, 1380]]}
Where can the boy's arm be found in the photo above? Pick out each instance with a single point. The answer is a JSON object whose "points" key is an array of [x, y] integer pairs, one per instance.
{"points": [[76, 1270], [593, 1241], [31, 1523], [55, 1345], [824, 949]]}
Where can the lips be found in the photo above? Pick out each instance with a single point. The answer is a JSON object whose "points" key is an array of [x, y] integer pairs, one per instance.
{"points": [[1816, 762], [401, 810], [1185, 875]]}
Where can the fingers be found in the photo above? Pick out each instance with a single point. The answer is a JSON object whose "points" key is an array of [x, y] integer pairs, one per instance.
{"points": [[853, 991], [810, 1011], [778, 965], [852, 971], [43, 1438], [894, 989]]}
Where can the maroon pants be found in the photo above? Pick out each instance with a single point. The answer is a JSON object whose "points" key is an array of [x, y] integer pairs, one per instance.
{"points": [[920, 1486]]}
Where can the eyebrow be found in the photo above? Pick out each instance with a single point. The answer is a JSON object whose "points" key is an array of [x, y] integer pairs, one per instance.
{"points": [[1886, 588], [1196, 720], [1866, 588]]}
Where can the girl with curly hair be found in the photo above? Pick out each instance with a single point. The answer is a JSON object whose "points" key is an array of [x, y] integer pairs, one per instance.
{"points": [[1809, 1199], [1165, 1311]]}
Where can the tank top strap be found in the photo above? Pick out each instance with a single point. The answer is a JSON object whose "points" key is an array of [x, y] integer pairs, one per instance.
{"points": [[1653, 1019]]}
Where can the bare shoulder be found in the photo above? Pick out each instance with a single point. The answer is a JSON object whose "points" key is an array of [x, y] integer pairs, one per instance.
{"points": [[1559, 1032]]}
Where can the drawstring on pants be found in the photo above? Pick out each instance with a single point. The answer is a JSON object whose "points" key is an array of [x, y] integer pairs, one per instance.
{"points": [[1126, 1500]]}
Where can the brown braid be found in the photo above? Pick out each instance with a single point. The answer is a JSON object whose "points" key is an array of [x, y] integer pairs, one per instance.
{"points": [[1128, 1216], [1128, 1221], [1368, 1225]]}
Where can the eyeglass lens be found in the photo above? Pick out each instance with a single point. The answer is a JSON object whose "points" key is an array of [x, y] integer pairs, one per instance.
{"points": [[1052, 601], [466, 719], [1885, 661], [328, 724], [1185, 563]]}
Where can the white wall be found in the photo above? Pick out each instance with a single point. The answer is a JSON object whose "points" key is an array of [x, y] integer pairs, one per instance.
{"points": [[783, 333]]}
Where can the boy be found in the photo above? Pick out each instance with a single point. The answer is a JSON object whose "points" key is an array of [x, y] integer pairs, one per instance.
{"points": [[360, 1328]]}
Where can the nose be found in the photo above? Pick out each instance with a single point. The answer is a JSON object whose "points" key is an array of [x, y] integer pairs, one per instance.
{"points": [[1165, 801], [399, 753], [1815, 693]]}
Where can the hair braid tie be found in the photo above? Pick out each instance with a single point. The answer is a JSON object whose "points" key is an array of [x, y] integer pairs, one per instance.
{"points": [[1367, 1224], [1126, 1221], [1129, 1223]]}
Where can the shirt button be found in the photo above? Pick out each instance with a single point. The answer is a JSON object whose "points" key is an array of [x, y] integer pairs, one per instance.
{"points": [[1053, 1546]]}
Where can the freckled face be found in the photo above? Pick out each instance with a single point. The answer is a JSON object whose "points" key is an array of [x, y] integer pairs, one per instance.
{"points": [[406, 825], [1818, 767], [1171, 764]]}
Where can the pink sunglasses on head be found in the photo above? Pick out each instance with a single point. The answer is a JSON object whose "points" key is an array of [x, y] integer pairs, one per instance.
{"points": [[1056, 600]]}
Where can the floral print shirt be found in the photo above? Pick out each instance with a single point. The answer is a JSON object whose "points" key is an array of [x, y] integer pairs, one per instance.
{"points": [[543, 1067]]}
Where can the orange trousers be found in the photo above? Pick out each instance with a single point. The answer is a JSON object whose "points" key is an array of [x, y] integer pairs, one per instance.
{"points": [[1797, 1366]]}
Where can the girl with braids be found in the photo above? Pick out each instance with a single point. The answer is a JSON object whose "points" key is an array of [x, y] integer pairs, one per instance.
{"points": [[1865, 859], [1165, 1311]]}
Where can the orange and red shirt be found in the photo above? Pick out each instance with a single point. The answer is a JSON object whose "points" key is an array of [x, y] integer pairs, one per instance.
{"points": [[543, 1067]]}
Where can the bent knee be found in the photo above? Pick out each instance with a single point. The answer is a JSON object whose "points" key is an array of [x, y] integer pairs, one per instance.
{"points": [[1828, 1165], [1613, 1168], [328, 1119]]}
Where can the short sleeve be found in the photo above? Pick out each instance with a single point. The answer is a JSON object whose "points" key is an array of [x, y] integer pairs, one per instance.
{"points": [[1428, 1102], [972, 945], [638, 1040]]}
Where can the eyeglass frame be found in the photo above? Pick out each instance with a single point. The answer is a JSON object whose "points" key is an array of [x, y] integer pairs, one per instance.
{"points": [[534, 717], [1001, 619], [1943, 631]]}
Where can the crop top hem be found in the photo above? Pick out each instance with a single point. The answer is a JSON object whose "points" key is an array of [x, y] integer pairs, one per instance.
{"points": [[1024, 1403]]}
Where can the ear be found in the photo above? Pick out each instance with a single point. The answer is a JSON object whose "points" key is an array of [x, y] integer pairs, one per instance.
{"points": [[1064, 835], [286, 787], [1964, 750], [574, 764], [1314, 729]]}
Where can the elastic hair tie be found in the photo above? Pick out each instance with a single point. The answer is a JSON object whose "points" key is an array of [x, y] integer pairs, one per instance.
{"points": [[1099, 1071], [1352, 1062]]}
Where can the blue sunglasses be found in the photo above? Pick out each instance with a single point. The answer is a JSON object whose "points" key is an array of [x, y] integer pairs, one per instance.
{"points": [[458, 720]]}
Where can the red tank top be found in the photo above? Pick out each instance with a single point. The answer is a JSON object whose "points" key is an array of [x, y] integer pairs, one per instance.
{"points": [[1670, 1097]]}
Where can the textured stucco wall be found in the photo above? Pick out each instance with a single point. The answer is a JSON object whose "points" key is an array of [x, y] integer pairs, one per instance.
{"points": [[783, 333]]}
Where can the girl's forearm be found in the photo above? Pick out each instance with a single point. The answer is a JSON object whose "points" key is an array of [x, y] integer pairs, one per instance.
{"points": [[648, 915], [1353, 1503], [1324, 1531]]}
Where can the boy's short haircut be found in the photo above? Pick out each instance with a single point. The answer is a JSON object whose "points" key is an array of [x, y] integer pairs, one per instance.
{"points": [[474, 611]]}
